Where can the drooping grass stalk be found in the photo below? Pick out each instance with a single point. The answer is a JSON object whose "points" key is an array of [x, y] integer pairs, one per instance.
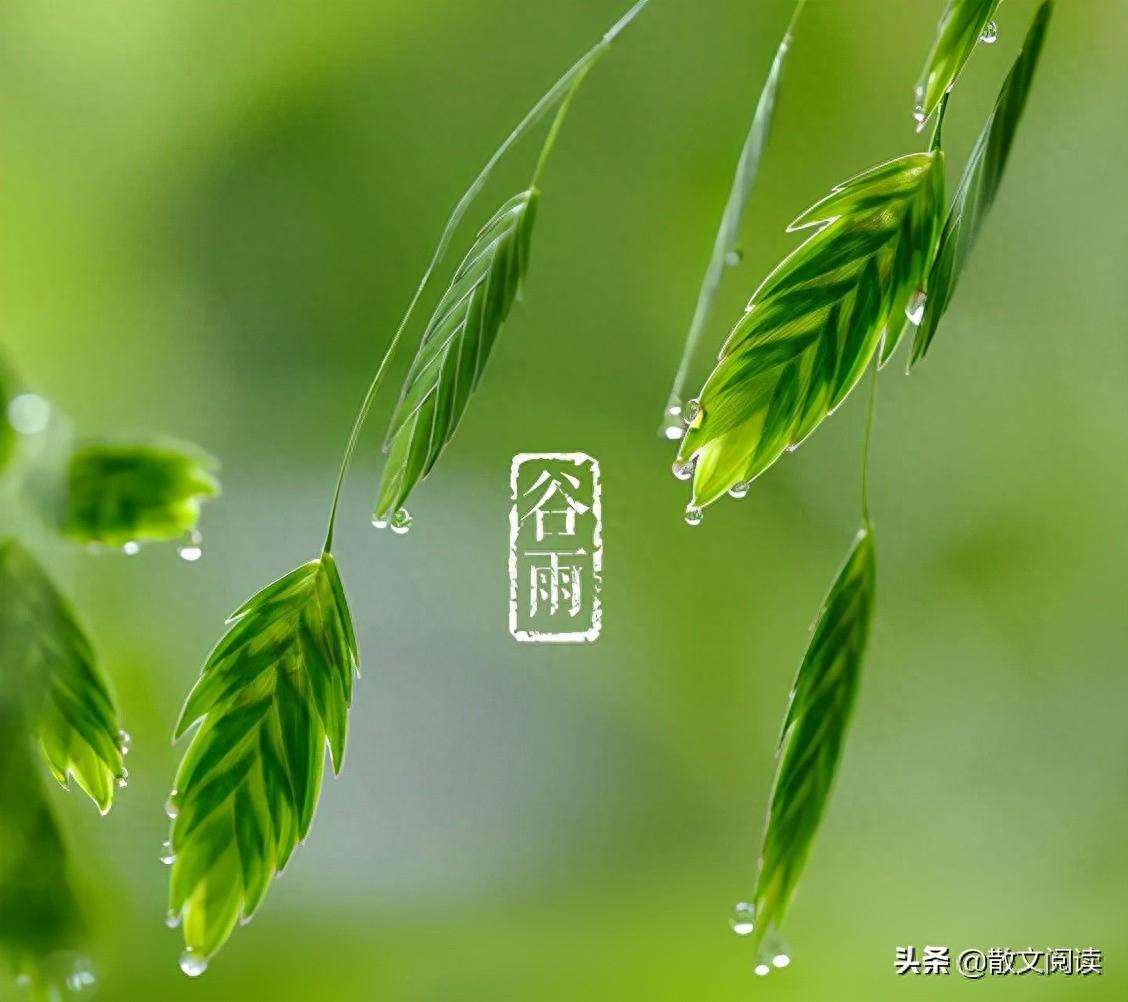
{"points": [[277, 688], [841, 301], [726, 245], [559, 92]]}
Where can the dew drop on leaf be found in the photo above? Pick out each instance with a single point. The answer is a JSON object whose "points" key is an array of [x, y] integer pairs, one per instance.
{"points": [[740, 490], [379, 523], [781, 960], [734, 257], [125, 742], [693, 414], [915, 308], [990, 34], [193, 549], [168, 857], [172, 809], [401, 521], [123, 779], [132, 548], [741, 921], [693, 515], [684, 471], [172, 920], [762, 969], [192, 964]]}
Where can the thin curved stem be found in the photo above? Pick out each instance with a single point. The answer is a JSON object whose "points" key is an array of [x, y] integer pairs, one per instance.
{"points": [[725, 244], [564, 88]]}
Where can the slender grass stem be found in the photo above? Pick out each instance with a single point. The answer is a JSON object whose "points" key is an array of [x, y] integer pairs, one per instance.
{"points": [[725, 243], [562, 90]]}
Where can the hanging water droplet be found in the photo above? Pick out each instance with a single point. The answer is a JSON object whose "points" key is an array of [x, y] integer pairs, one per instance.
{"points": [[379, 523], [172, 920], [193, 549], [401, 521], [192, 964], [123, 779], [739, 490], [172, 808], [990, 34], [915, 308], [693, 515], [168, 857], [29, 413], [684, 471], [734, 257], [742, 915], [673, 430], [781, 960], [132, 548], [762, 969], [693, 413], [125, 742]]}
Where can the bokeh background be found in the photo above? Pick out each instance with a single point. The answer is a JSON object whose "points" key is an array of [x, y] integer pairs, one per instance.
{"points": [[214, 214]]}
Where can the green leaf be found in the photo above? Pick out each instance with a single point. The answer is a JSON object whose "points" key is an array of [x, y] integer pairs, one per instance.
{"points": [[813, 734], [41, 919], [815, 322], [118, 494], [275, 691], [46, 659], [454, 349], [980, 183], [957, 34]]}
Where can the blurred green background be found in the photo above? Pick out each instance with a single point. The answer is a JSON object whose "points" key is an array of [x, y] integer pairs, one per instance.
{"points": [[214, 214]]}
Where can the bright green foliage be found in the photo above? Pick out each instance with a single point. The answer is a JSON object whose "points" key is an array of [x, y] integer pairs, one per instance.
{"points": [[814, 732], [455, 347], [815, 322], [274, 691], [959, 30], [47, 660], [117, 494], [980, 182], [39, 911]]}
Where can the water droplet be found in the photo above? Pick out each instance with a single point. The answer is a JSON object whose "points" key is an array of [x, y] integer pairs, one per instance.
{"points": [[172, 920], [673, 431], [125, 742], [168, 857], [193, 549], [684, 471], [123, 779], [192, 964], [781, 960], [379, 523], [734, 257], [172, 808], [81, 976], [742, 915], [693, 515], [990, 34], [761, 969], [693, 413], [29, 413], [795, 445], [674, 410], [740, 490], [132, 548], [401, 521], [915, 308]]}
